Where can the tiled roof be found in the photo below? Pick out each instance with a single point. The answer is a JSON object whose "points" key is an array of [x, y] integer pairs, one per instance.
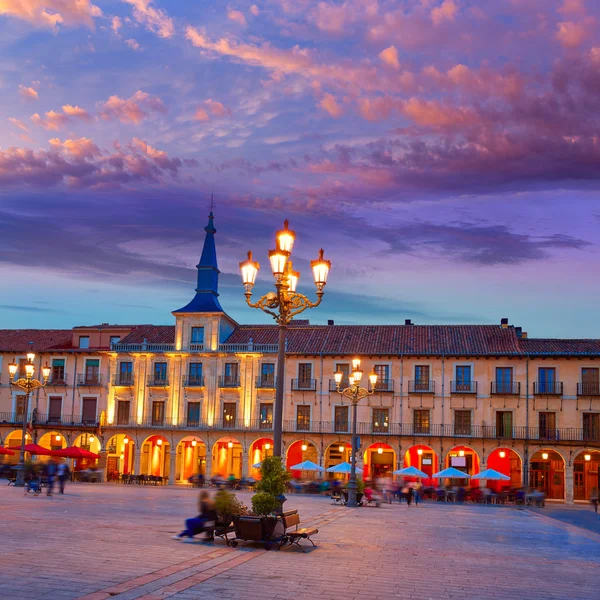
{"points": [[17, 340], [385, 340], [153, 334], [106, 326], [558, 347]]}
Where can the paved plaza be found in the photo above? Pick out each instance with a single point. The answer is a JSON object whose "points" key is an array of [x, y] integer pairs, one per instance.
{"points": [[110, 541]]}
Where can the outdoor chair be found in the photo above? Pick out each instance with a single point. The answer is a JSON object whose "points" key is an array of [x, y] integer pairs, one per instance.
{"points": [[337, 498], [293, 537]]}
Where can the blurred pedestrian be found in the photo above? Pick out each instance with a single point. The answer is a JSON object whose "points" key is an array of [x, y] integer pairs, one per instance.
{"points": [[594, 499], [63, 472], [50, 473]]}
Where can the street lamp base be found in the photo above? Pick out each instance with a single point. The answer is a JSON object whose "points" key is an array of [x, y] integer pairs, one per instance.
{"points": [[20, 480]]}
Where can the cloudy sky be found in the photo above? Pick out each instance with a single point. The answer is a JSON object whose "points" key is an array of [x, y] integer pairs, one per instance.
{"points": [[445, 153]]}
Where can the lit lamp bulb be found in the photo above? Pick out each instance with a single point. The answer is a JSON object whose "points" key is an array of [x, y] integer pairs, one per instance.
{"points": [[588, 457], [45, 371], [420, 451], [249, 269], [230, 445], [304, 447], [320, 269], [159, 442], [338, 377], [545, 456], [194, 443], [285, 238], [502, 454], [278, 260], [380, 450], [341, 449], [292, 277], [267, 446], [57, 438], [461, 452], [122, 456], [91, 438], [29, 369], [126, 441], [12, 368], [373, 379]]}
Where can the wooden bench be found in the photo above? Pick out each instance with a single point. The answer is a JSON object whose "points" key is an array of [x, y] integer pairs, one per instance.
{"points": [[291, 518], [337, 498]]}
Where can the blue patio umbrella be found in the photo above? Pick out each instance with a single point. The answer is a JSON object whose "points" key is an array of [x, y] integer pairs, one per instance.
{"points": [[410, 472], [451, 473], [343, 467], [491, 475], [307, 465]]}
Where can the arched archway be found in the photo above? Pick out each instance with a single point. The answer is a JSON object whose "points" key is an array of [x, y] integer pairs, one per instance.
{"points": [[298, 452], [423, 458], [13, 440], [547, 473], [509, 463], [336, 453], [120, 456], [87, 441], [53, 440], [155, 456], [378, 460], [191, 458], [259, 450], [586, 474], [465, 459], [227, 458]]}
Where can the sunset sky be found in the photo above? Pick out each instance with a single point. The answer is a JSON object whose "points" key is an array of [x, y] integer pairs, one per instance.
{"points": [[445, 153]]}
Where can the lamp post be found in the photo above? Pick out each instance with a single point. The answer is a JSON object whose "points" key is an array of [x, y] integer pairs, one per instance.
{"points": [[283, 304], [27, 384], [355, 393]]}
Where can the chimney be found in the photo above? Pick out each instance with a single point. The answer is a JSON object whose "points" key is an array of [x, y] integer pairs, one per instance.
{"points": [[504, 323], [330, 322], [524, 335], [407, 322], [519, 331]]}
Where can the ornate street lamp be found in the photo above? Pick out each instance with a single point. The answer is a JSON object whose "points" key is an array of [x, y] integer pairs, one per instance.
{"points": [[355, 393], [283, 304], [27, 384]]}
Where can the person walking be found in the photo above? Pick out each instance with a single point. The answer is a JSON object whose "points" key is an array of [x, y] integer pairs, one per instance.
{"points": [[196, 525], [594, 499], [63, 472], [50, 472], [417, 493], [409, 495]]}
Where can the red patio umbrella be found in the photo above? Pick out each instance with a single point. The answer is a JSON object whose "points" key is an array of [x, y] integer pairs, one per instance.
{"points": [[4, 450], [35, 449], [75, 452]]}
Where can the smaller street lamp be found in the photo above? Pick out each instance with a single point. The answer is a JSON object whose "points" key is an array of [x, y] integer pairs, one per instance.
{"points": [[27, 384], [355, 393]]}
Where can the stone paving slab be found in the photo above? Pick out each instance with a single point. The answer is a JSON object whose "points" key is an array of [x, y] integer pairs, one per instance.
{"points": [[109, 541]]}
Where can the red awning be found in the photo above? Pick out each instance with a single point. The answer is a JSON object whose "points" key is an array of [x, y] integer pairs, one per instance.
{"points": [[4, 450], [35, 449], [75, 452]]}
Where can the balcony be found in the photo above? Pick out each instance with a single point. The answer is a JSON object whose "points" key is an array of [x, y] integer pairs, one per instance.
{"points": [[505, 388], [158, 382], [304, 385], [547, 388], [193, 382], [123, 379], [266, 382], [196, 347], [383, 427], [229, 381], [89, 379], [144, 347], [42, 420], [384, 385], [58, 380], [343, 384], [421, 386], [588, 389], [463, 387]]}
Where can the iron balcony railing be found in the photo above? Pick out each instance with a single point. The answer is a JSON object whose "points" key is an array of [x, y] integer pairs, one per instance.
{"points": [[226, 348], [421, 386], [343, 384], [547, 388], [588, 389], [384, 385], [229, 381], [44, 419], [463, 387], [89, 379], [193, 382], [59, 380], [123, 379], [304, 385], [505, 388], [158, 382], [266, 382]]}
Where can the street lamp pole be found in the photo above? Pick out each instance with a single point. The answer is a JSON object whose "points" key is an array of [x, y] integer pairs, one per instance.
{"points": [[283, 304], [27, 384], [355, 393]]}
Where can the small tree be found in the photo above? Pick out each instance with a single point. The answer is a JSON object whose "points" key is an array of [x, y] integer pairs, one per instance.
{"points": [[271, 487]]}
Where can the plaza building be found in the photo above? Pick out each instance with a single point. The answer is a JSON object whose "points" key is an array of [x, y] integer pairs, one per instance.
{"points": [[197, 396]]}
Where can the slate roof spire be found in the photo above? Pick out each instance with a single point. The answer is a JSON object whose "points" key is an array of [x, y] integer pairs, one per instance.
{"points": [[206, 298]]}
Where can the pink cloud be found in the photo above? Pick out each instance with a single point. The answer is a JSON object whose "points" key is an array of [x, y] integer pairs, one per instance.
{"points": [[572, 34], [255, 10], [378, 108], [237, 16], [390, 57], [201, 115], [53, 121], [329, 104], [446, 12], [573, 7], [133, 110], [435, 114], [133, 44], [51, 13], [155, 19], [76, 112], [28, 92], [18, 123], [82, 148], [116, 24], [216, 108]]}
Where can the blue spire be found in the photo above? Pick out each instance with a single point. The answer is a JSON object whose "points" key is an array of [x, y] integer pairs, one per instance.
{"points": [[206, 298]]}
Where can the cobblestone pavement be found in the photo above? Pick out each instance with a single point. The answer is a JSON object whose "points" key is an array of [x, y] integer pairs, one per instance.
{"points": [[107, 541], [582, 515]]}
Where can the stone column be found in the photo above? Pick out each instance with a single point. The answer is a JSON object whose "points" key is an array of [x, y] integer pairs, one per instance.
{"points": [[569, 484], [208, 465], [102, 463], [172, 465], [244, 464], [137, 459]]}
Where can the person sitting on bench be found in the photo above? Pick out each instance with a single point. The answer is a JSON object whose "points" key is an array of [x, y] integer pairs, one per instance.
{"points": [[204, 520]]}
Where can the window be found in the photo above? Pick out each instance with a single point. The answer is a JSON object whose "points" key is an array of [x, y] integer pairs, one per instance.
{"points": [[344, 369], [341, 419], [383, 376], [84, 341], [231, 374], [266, 416], [546, 380], [381, 422], [421, 421], [422, 378], [115, 339], [267, 374], [92, 370], [158, 413], [463, 378], [591, 427], [125, 373], [54, 409], [21, 372], [504, 422], [193, 413], [547, 425], [160, 372], [58, 370], [462, 422], [305, 375], [303, 417], [229, 414], [20, 405], [197, 335], [590, 382], [504, 379], [88, 410], [123, 412], [195, 373]]}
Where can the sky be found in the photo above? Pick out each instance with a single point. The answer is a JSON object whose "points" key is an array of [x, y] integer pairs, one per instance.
{"points": [[444, 153]]}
